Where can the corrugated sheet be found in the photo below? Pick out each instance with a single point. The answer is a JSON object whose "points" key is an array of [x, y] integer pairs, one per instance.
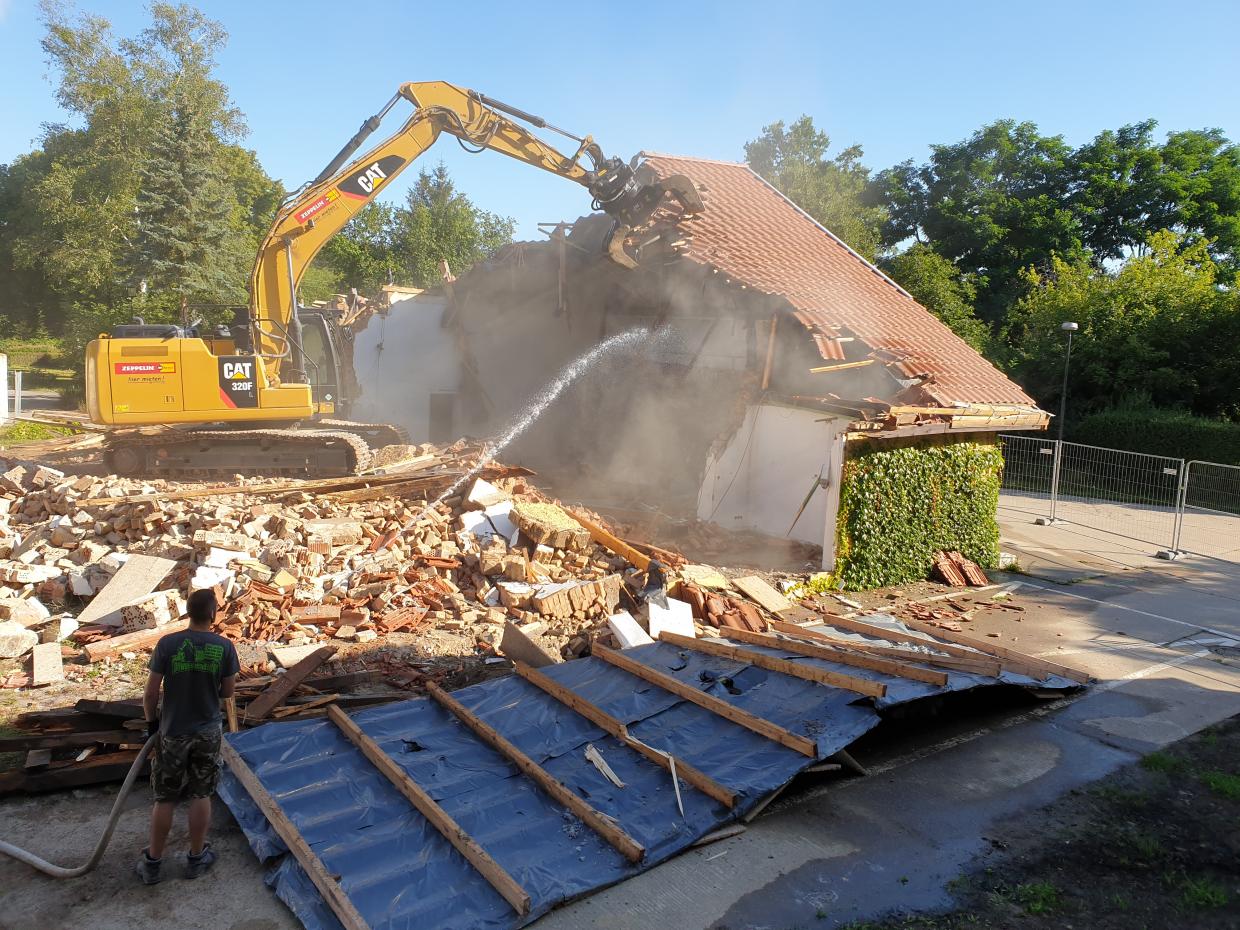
{"points": [[400, 873]]}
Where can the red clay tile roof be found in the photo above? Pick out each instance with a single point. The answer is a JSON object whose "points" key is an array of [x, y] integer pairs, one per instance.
{"points": [[755, 235]]}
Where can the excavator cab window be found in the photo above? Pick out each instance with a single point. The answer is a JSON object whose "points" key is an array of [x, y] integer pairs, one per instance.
{"points": [[322, 365]]}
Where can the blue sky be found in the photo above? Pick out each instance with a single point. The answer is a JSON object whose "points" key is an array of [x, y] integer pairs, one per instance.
{"points": [[689, 78]]}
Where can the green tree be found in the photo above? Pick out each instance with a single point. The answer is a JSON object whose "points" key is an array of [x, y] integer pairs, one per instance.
{"points": [[72, 213], [439, 222], [994, 205], [830, 189], [939, 287], [1159, 329], [363, 254], [183, 213]]}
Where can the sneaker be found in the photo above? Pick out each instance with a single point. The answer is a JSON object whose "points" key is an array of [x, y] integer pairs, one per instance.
{"points": [[148, 868], [199, 864]]}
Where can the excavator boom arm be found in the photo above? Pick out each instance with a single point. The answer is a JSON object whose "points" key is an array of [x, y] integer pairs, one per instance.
{"points": [[308, 220]]}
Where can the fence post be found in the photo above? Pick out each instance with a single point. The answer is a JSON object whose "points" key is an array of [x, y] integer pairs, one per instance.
{"points": [[17, 393], [1181, 503], [1055, 478]]}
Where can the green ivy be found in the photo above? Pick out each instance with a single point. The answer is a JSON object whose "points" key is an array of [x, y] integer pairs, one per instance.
{"points": [[900, 506]]}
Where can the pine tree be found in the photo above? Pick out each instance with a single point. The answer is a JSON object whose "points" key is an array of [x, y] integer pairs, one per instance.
{"points": [[183, 210]]}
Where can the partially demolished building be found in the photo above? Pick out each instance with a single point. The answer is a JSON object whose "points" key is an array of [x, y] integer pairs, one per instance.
{"points": [[777, 346]]}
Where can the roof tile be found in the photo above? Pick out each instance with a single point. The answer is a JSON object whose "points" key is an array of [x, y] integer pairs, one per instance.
{"points": [[754, 234]]}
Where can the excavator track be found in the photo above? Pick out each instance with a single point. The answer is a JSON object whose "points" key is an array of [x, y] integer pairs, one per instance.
{"points": [[376, 435], [203, 453]]}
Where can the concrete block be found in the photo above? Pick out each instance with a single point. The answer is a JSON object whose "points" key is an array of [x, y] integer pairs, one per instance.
{"points": [[16, 640], [676, 618], [627, 631]]}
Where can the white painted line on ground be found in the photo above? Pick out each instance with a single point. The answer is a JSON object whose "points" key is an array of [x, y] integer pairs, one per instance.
{"points": [[1144, 613], [1103, 647], [1147, 671]]}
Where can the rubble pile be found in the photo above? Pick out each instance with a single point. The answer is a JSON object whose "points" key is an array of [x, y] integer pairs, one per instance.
{"points": [[301, 562]]}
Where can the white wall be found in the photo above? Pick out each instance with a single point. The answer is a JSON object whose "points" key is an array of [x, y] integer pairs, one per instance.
{"points": [[400, 359], [759, 479]]}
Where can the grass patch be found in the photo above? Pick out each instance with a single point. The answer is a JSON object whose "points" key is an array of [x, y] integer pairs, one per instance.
{"points": [[25, 431], [1203, 894], [1163, 762], [1223, 783], [1037, 897]]}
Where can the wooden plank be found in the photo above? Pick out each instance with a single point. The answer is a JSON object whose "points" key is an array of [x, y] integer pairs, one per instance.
{"points": [[230, 714], [324, 881], [96, 770], [139, 576], [761, 592], [308, 705], [1009, 657], [982, 665], [717, 706], [614, 728], [608, 541], [124, 710], [63, 740], [131, 642], [843, 366], [603, 826], [892, 636], [451, 831], [782, 666], [886, 666], [275, 693], [46, 665]]}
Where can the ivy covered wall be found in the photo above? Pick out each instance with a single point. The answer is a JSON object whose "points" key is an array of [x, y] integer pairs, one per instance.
{"points": [[898, 506]]}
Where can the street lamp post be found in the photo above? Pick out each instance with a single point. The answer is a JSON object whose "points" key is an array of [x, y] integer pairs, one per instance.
{"points": [[1068, 328]]}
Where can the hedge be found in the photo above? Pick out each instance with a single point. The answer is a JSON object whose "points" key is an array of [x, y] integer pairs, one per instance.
{"points": [[1172, 433], [900, 506]]}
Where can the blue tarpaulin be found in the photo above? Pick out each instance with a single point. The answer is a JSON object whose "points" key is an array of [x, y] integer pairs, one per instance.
{"points": [[399, 872]]}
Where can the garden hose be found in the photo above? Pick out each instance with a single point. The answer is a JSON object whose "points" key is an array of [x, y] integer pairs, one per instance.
{"points": [[58, 871]]}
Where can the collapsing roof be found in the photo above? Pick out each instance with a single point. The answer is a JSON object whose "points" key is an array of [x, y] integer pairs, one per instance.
{"points": [[759, 238]]}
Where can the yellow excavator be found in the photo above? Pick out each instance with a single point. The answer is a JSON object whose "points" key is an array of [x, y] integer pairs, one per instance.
{"points": [[261, 397]]}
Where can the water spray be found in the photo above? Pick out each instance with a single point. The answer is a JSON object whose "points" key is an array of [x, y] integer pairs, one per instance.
{"points": [[544, 399]]}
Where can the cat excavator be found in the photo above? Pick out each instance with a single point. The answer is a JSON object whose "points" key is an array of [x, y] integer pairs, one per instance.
{"points": [[270, 395]]}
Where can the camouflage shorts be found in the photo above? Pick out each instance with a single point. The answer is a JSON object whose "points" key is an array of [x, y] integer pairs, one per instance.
{"points": [[190, 762]]}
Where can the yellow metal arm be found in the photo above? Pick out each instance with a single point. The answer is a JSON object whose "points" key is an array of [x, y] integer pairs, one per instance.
{"points": [[304, 225]]}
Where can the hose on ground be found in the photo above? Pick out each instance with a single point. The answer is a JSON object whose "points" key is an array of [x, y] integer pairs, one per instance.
{"points": [[59, 871]]}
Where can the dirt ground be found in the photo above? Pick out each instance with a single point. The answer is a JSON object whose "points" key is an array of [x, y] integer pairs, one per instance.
{"points": [[1156, 845]]}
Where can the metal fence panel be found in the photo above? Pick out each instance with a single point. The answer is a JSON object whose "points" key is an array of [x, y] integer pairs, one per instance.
{"points": [[1028, 473], [1210, 511], [1126, 493]]}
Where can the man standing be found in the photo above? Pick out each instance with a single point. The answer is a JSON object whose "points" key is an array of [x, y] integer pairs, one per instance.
{"points": [[196, 669]]}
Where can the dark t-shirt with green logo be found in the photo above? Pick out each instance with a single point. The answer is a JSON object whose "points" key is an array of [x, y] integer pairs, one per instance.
{"points": [[193, 664]]}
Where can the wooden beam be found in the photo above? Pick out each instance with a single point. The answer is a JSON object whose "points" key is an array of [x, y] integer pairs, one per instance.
{"points": [[770, 353], [608, 541], [324, 881], [892, 636], [614, 728], [782, 666], [461, 841], [142, 639], [982, 665], [283, 686], [759, 725], [886, 666], [64, 740], [230, 714], [841, 367], [1009, 657], [603, 826]]}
